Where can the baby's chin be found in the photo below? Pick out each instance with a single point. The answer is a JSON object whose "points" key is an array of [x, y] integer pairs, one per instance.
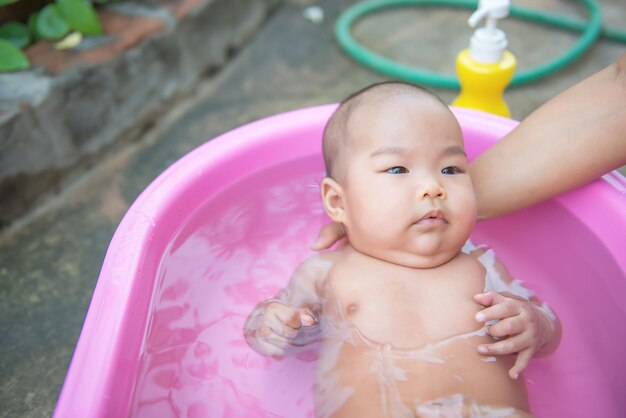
{"points": [[418, 259]]}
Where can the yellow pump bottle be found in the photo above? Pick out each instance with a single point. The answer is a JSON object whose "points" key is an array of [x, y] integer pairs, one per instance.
{"points": [[485, 69]]}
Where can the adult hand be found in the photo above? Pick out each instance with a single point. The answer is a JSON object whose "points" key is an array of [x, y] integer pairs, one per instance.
{"points": [[329, 235]]}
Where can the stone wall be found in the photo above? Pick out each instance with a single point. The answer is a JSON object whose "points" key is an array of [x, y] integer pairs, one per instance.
{"points": [[62, 116]]}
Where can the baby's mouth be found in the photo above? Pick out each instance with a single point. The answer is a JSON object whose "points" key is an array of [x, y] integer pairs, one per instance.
{"points": [[433, 217]]}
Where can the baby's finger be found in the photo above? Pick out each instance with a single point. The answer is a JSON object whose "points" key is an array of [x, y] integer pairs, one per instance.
{"points": [[287, 315], [497, 311], [279, 329], [488, 298], [510, 345], [523, 358], [329, 234], [509, 326], [271, 322], [279, 341], [307, 319]]}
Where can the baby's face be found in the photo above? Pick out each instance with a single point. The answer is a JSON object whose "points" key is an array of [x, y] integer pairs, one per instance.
{"points": [[408, 197]]}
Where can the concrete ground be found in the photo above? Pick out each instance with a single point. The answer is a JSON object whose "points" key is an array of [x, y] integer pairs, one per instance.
{"points": [[49, 261]]}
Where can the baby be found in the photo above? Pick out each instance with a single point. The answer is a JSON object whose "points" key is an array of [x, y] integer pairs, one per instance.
{"points": [[402, 332]]}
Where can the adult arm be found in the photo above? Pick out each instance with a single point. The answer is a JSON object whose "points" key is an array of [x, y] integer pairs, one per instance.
{"points": [[570, 140]]}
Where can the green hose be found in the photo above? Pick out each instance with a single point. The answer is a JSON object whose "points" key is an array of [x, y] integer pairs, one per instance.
{"points": [[591, 31]]}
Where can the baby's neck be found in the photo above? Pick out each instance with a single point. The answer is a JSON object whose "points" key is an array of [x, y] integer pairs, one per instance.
{"points": [[410, 262]]}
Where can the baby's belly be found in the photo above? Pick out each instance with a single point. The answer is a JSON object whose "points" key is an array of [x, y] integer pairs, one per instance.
{"points": [[357, 377]]}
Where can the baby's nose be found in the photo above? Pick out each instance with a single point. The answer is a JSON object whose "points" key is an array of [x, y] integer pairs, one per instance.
{"points": [[432, 189]]}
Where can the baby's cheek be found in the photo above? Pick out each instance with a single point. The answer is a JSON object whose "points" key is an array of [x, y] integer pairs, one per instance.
{"points": [[466, 211]]}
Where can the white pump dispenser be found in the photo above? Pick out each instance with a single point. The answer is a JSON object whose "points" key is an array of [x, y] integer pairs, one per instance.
{"points": [[488, 44], [486, 68]]}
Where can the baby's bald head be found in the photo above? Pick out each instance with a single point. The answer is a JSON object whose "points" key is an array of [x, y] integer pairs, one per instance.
{"points": [[337, 142]]}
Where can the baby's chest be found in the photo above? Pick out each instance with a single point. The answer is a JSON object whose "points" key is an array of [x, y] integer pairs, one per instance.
{"points": [[405, 309]]}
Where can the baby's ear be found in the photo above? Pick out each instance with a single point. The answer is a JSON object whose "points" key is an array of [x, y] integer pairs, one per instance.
{"points": [[332, 196]]}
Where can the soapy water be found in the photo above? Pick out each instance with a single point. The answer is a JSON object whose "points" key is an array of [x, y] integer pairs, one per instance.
{"points": [[356, 373], [241, 248]]}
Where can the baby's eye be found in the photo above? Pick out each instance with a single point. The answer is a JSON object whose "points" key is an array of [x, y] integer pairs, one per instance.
{"points": [[451, 170], [397, 170]]}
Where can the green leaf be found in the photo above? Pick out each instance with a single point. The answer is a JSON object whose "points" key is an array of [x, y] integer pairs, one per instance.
{"points": [[16, 33], [81, 16], [5, 2], [50, 24], [11, 58], [32, 26]]}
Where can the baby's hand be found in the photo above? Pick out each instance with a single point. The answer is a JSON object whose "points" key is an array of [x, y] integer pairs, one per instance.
{"points": [[523, 327], [272, 326]]}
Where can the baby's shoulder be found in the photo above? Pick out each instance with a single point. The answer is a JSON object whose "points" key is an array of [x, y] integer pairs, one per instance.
{"points": [[317, 266], [469, 261], [470, 270], [316, 263], [333, 257], [334, 263]]}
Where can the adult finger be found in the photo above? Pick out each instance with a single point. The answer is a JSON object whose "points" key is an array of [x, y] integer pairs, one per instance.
{"points": [[329, 234]]}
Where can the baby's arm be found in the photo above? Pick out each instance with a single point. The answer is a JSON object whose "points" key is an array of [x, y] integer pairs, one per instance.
{"points": [[274, 324], [525, 325]]}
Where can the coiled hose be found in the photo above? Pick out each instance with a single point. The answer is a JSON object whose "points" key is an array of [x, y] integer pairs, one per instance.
{"points": [[591, 31]]}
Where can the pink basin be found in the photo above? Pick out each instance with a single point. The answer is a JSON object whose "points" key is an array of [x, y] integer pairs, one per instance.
{"points": [[223, 228]]}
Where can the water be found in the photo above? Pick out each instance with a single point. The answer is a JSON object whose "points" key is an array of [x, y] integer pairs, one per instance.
{"points": [[242, 246]]}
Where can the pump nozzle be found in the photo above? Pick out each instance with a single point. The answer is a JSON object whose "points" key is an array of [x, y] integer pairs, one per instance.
{"points": [[490, 9], [488, 44]]}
